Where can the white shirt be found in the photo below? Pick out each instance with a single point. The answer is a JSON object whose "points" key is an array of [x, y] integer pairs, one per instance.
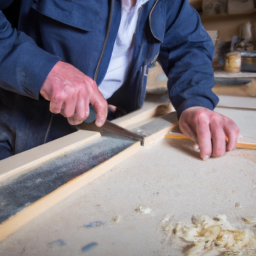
{"points": [[123, 49]]}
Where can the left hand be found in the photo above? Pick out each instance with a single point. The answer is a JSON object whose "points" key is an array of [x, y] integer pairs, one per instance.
{"points": [[209, 130]]}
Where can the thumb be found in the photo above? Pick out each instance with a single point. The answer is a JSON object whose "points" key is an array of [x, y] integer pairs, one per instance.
{"points": [[101, 110]]}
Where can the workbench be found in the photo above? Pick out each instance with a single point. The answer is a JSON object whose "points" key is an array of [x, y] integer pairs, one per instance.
{"points": [[167, 176]]}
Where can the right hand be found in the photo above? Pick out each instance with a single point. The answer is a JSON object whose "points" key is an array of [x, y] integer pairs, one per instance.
{"points": [[70, 92]]}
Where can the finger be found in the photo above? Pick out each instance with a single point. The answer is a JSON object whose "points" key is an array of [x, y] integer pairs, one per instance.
{"points": [[69, 103], [56, 106], [232, 133], [196, 147], [82, 109], [218, 140], [82, 112], [71, 120], [187, 130], [204, 137], [101, 109]]}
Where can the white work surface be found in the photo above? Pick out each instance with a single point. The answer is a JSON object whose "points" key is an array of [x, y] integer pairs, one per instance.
{"points": [[168, 177]]}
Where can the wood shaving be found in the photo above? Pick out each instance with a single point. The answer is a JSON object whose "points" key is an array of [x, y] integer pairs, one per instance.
{"points": [[249, 221], [116, 219], [238, 205], [144, 210], [215, 234]]}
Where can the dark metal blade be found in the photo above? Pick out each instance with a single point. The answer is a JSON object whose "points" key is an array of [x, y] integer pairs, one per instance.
{"points": [[109, 126]]}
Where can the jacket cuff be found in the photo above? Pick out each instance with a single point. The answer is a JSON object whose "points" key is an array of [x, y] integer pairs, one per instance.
{"points": [[196, 102], [33, 70]]}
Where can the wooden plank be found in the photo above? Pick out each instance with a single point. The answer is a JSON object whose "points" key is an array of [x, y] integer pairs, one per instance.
{"points": [[32, 211], [236, 102], [155, 131], [21, 162], [243, 90], [223, 74], [245, 145], [150, 109], [168, 177]]}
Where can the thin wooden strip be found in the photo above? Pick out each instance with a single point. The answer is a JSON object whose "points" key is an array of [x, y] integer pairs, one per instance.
{"points": [[20, 219], [30, 158], [245, 145], [176, 136]]}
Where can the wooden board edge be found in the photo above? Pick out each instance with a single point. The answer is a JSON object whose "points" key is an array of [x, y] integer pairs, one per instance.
{"points": [[148, 111], [236, 102], [30, 158], [11, 225], [134, 117], [158, 135]]}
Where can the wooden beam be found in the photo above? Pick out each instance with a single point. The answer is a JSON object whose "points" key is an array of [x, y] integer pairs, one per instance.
{"points": [[22, 162], [155, 130], [32, 211]]}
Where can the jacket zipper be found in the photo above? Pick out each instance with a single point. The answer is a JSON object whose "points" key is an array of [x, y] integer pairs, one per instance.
{"points": [[150, 18], [106, 40], [141, 81], [48, 129], [98, 65], [143, 72], [144, 67]]}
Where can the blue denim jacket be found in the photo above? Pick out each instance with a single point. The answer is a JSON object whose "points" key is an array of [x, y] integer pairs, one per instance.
{"points": [[83, 32]]}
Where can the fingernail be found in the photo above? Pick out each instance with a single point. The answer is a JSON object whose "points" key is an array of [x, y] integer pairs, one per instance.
{"points": [[100, 123], [206, 157], [230, 149], [196, 148]]}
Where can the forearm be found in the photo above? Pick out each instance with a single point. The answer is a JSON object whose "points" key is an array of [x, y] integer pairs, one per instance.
{"points": [[186, 57], [23, 65]]}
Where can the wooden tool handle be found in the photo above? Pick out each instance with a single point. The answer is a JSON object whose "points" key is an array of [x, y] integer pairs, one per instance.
{"points": [[238, 145]]}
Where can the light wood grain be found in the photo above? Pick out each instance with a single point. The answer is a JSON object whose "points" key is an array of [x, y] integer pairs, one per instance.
{"points": [[30, 158], [245, 145], [21, 218], [235, 102], [170, 178], [12, 224]]}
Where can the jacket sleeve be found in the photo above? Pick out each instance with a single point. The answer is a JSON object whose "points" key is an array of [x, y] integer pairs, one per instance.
{"points": [[186, 57], [23, 65]]}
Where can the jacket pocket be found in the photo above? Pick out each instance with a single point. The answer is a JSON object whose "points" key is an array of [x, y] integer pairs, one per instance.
{"points": [[79, 14], [157, 19]]}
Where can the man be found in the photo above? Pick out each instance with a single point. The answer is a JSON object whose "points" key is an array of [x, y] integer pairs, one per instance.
{"points": [[60, 51]]}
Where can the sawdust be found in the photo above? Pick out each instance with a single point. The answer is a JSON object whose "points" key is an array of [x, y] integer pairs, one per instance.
{"points": [[143, 210], [214, 235], [247, 156]]}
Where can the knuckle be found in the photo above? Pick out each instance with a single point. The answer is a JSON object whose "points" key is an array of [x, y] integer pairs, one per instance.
{"points": [[100, 105], [201, 117], [89, 81], [215, 119], [82, 116], [232, 133], [58, 97], [68, 114]]}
